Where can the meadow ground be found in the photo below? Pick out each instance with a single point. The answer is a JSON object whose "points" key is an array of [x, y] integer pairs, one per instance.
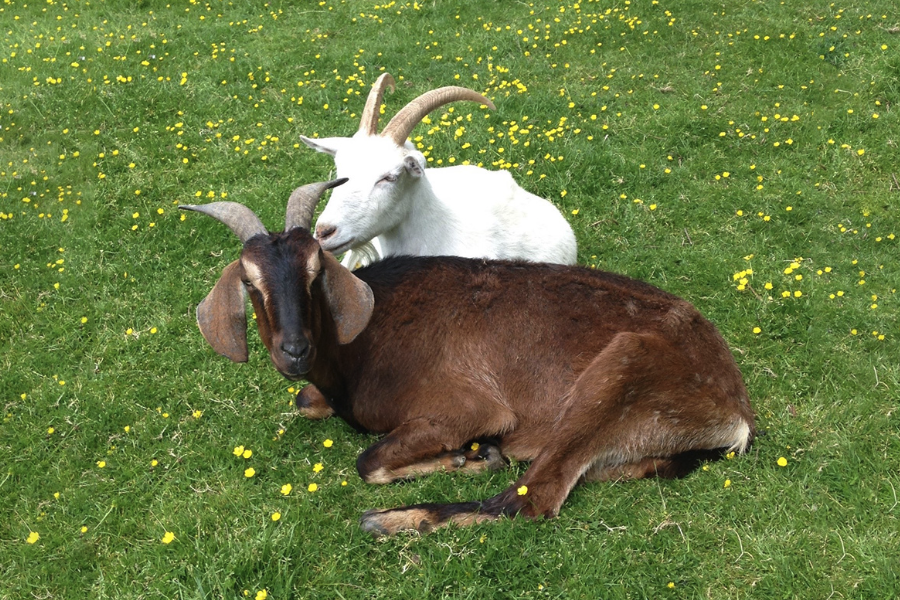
{"points": [[742, 155]]}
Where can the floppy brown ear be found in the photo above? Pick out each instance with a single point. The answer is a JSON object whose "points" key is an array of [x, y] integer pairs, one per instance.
{"points": [[222, 316], [350, 300]]}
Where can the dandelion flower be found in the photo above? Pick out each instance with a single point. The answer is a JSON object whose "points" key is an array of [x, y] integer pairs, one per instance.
{"points": [[33, 537], [522, 490], [168, 537], [782, 461]]}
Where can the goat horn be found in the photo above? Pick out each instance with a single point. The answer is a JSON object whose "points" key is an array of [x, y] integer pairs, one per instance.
{"points": [[302, 203], [399, 128], [240, 219], [368, 123]]}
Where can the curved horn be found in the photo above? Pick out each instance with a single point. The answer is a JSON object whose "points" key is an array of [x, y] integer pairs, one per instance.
{"points": [[409, 116], [240, 219], [302, 203], [368, 123]]}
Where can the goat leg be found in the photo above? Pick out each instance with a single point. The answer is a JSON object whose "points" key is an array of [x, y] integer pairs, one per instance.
{"points": [[418, 447]]}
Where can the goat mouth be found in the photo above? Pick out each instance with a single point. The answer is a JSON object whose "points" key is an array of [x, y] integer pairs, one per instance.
{"points": [[337, 247]]}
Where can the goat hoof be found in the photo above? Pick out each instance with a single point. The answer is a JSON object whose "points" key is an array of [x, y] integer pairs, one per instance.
{"points": [[491, 456], [371, 523], [312, 404]]}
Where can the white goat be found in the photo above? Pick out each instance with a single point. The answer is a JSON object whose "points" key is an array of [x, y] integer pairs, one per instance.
{"points": [[460, 211]]}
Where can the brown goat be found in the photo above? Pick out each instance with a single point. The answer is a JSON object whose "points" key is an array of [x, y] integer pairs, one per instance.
{"points": [[589, 375]]}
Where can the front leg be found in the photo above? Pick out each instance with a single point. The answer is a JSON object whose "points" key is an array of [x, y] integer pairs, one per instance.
{"points": [[422, 446]]}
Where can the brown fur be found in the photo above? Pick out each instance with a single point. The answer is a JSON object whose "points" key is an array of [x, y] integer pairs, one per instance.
{"points": [[587, 374]]}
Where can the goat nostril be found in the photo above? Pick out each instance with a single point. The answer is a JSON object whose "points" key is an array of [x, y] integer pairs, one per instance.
{"points": [[325, 231], [295, 350]]}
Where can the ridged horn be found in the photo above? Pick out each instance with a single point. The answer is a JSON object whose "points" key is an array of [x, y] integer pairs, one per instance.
{"points": [[240, 219], [302, 203], [368, 123], [409, 116]]}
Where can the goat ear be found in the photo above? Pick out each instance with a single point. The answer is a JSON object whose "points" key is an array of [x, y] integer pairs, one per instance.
{"points": [[414, 165], [222, 316], [349, 298], [327, 145]]}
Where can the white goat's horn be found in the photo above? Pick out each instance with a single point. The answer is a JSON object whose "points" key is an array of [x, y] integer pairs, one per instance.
{"points": [[240, 219], [368, 123], [302, 203], [409, 116]]}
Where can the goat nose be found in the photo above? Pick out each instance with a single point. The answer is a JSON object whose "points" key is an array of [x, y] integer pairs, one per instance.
{"points": [[295, 350], [325, 231]]}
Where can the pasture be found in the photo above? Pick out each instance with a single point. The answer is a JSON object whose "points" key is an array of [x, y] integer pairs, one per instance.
{"points": [[743, 156]]}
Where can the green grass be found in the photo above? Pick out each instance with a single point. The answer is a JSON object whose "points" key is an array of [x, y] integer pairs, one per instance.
{"points": [[630, 113]]}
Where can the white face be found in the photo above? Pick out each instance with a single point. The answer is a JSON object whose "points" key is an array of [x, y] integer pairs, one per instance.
{"points": [[376, 196]]}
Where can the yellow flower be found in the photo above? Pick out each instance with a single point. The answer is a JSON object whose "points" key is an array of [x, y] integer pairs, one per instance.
{"points": [[238, 450], [197, 414], [247, 453], [312, 487], [263, 594], [327, 443], [671, 585], [168, 537], [475, 446], [50, 430], [154, 462], [286, 489], [782, 461], [276, 516], [33, 537], [757, 330], [250, 472], [83, 529], [101, 463], [727, 483], [522, 490], [317, 467]]}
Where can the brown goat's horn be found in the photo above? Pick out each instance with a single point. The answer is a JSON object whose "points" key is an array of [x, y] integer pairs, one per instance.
{"points": [[302, 203], [409, 116], [368, 123], [240, 219]]}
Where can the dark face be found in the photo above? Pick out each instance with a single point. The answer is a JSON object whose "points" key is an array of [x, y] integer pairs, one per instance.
{"points": [[278, 271]]}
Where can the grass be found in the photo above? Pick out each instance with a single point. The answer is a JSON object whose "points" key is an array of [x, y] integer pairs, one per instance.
{"points": [[742, 157]]}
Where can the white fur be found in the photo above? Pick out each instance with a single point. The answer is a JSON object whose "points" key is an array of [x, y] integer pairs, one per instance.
{"points": [[457, 211]]}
